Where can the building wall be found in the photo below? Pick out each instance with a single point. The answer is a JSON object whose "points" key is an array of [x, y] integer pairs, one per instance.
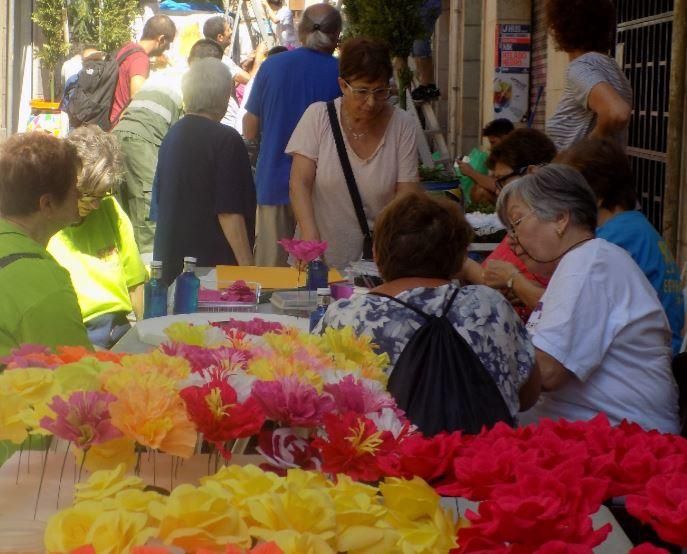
{"points": [[538, 67]]}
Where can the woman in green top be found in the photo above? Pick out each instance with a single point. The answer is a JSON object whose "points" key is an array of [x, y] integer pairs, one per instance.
{"points": [[100, 251], [38, 197]]}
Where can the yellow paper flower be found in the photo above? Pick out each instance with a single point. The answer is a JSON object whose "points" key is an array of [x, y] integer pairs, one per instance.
{"points": [[203, 517], [301, 479], [304, 511], [155, 418], [139, 502], [414, 510], [68, 529], [293, 542], [353, 352], [106, 484], [108, 455], [117, 531], [243, 482], [271, 368], [118, 379], [175, 368], [12, 425], [81, 376], [35, 385], [196, 335]]}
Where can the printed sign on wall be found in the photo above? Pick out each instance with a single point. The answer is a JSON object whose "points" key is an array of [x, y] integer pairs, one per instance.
{"points": [[512, 75]]}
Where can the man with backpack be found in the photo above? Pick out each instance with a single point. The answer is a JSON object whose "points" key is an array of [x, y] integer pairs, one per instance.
{"points": [[134, 61]]}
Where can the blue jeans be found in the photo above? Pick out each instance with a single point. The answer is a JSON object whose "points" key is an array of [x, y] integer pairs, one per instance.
{"points": [[430, 12]]}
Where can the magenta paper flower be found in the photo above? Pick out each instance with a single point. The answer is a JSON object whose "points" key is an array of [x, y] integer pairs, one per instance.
{"points": [[291, 402], [353, 395], [304, 250], [201, 358], [84, 418]]}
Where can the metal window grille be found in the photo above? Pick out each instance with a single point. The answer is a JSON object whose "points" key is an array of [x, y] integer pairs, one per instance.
{"points": [[643, 43]]}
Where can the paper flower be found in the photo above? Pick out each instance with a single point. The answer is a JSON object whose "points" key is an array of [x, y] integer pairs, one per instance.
{"points": [[84, 419], [354, 446], [354, 353], [428, 458], [117, 531], [217, 414], [664, 507], [173, 367], [200, 358], [196, 335], [283, 450], [105, 484], [200, 517], [304, 250], [34, 385], [256, 326], [12, 424], [68, 529], [81, 376], [291, 402], [647, 548], [71, 354], [30, 355], [155, 418], [108, 455], [362, 396]]}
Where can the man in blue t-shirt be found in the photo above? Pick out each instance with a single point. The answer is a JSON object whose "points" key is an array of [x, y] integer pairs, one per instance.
{"points": [[284, 87]]}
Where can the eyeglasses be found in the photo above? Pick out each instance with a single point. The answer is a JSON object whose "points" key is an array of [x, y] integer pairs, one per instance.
{"points": [[503, 180], [512, 230], [361, 94], [94, 197]]}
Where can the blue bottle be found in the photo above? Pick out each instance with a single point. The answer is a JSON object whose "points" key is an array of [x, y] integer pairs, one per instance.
{"points": [[318, 275], [187, 287], [323, 299], [155, 293]]}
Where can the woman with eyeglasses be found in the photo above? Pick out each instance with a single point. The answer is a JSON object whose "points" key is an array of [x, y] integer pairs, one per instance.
{"points": [[601, 337], [99, 250], [379, 142], [517, 154]]}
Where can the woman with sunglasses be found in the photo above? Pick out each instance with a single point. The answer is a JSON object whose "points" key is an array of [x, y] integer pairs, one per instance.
{"points": [[379, 141], [100, 251], [517, 154], [601, 337]]}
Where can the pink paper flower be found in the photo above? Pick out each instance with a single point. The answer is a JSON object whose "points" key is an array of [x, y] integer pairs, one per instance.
{"points": [[256, 326], [201, 358], [354, 395], [304, 250], [291, 402], [285, 450], [84, 418]]}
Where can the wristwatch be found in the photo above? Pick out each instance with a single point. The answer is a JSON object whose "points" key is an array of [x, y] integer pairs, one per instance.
{"points": [[509, 283]]}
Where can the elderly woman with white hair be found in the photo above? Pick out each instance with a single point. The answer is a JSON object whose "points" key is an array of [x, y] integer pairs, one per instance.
{"points": [[205, 198], [100, 251], [601, 337]]}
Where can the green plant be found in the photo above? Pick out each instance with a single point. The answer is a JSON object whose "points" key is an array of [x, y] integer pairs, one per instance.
{"points": [[50, 15], [105, 24], [397, 22]]}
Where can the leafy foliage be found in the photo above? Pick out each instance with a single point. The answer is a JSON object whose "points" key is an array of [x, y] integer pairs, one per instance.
{"points": [[398, 22], [105, 24], [49, 16]]}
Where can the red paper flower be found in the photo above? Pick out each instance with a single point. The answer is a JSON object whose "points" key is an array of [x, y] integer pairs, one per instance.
{"points": [[70, 354], [291, 402], [215, 411], [304, 250], [664, 507], [648, 548], [356, 447], [428, 458]]}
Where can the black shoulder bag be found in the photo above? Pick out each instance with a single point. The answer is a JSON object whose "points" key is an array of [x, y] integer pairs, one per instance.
{"points": [[350, 181]]}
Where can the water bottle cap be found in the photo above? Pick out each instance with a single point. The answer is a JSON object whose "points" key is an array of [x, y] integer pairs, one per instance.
{"points": [[324, 291], [190, 259], [156, 264]]}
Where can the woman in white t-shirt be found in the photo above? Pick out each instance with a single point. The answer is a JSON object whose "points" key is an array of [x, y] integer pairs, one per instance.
{"points": [[601, 337], [282, 17], [380, 141]]}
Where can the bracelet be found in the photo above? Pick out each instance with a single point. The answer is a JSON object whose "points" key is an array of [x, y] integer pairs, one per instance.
{"points": [[511, 279]]}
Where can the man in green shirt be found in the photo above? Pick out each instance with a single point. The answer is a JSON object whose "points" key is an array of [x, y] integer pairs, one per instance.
{"points": [[38, 197]]}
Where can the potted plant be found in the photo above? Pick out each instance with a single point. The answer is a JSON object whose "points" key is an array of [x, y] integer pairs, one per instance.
{"points": [[51, 17], [102, 23]]}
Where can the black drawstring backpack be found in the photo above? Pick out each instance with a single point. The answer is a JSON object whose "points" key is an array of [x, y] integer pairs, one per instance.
{"points": [[441, 383]]}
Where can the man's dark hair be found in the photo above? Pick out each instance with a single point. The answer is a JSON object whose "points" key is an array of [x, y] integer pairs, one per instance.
{"points": [[586, 25], [498, 128], [214, 26], [276, 50], [521, 148], [159, 25], [205, 48], [606, 168]]}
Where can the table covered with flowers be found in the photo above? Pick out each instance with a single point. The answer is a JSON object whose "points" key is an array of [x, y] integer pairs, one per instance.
{"points": [[146, 453]]}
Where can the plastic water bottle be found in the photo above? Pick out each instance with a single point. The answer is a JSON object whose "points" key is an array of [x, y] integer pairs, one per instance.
{"points": [[318, 275], [187, 287], [155, 293], [323, 299]]}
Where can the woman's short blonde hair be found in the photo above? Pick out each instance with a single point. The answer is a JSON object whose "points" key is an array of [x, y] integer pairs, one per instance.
{"points": [[101, 159]]}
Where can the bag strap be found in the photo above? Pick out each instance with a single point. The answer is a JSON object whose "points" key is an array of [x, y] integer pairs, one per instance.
{"points": [[417, 310], [348, 171], [11, 258], [120, 59]]}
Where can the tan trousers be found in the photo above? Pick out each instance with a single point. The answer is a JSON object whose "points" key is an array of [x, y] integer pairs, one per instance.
{"points": [[273, 223]]}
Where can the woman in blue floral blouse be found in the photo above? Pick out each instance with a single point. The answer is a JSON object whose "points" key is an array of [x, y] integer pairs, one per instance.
{"points": [[420, 244]]}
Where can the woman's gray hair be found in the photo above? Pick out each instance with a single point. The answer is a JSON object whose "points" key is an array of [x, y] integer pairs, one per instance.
{"points": [[101, 159], [550, 192], [206, 87], [320, 27]]}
